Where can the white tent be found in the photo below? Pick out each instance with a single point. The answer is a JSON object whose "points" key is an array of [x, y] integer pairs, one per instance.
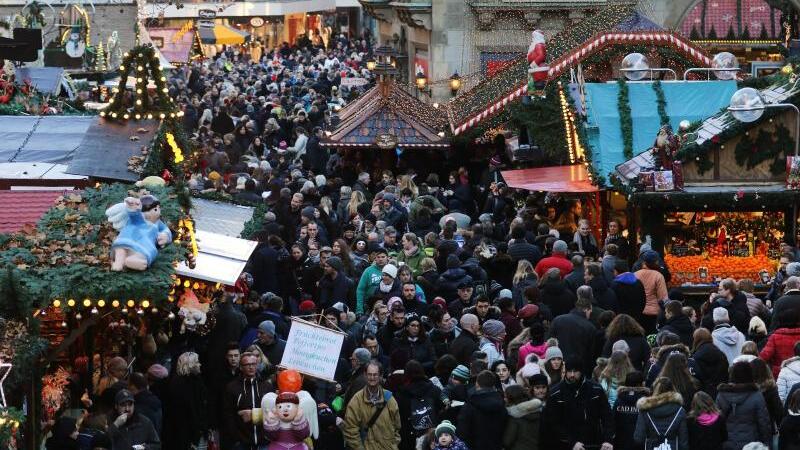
{"points": [[220, 259], [144, 38]]}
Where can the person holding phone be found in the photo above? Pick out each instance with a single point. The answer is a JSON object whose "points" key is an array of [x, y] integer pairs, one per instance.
{"points": [[131, 430]]}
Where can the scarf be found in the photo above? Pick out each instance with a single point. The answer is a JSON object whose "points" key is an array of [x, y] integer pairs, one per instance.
{"points": [[373, 397], [707, 419], [448, 326], [410, 253], [385, 288]]}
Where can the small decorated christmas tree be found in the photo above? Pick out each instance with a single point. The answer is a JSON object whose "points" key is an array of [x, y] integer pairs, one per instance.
{"points": [[100, 58]]}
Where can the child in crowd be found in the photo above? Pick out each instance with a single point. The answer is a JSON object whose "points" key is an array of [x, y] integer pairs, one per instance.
{"points": [[446, 438], [707, 428]]}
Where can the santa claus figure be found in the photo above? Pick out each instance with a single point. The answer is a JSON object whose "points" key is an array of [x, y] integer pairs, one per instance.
{"points": [[537, 70]]}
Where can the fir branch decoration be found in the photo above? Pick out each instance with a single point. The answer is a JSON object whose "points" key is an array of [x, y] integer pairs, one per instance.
{"points": [[661, 101], [625, 120]]}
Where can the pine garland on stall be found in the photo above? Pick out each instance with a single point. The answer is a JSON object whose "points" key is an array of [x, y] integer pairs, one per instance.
{"points": [[625, 120], [661, 101]]}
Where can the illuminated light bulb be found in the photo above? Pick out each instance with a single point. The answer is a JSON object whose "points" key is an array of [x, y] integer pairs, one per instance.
{"points": [[43, 312], [145, 303], [141, 55], [138, 116], [57, 303], [171, 298], [115, 90], [149, 116], [126, 116], [180, 113], [121, 67], [124, 310], [111, 101], [139, 80], [186, 284], [87, 303], [102, 113], [101, 303], [171, 316], [95, 311], [2, 420], [162, 115], [114, 115], [126, 54], [70, 303], [163, 78], [139, 312], [64, 324], [139, 68], [138, 91], [172, 115], [196, 285], [154, 310], [165, 90], [131, 303], [115, 303], [138, 101], [78, 316]]}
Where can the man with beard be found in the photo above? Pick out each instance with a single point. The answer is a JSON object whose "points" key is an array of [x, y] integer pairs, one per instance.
{"points": [[396, 322], [411, 301], [577, 414]]}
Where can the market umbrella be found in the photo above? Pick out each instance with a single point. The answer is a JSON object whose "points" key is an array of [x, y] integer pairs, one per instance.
{"points": [[222, 34]]}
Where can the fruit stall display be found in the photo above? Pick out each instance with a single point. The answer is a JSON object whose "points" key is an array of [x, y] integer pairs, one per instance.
{"points": [[690, 269]]}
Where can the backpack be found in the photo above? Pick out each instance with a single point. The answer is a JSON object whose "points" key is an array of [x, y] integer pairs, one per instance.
{"points": [[664, 445], [421, 414]]}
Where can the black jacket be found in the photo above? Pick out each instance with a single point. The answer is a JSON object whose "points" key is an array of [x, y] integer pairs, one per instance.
{"points": [[442, 340], [187, 412], [136, 430], [428, 394], [148, 405], [630, 294], [680, 325], [482, 420], [625, 415], [449, 281], [456, 307], [706, 437], [639, 353], [575, 334], [243, 394], [335, 290], [789, 300], [605, 297], [576, 412], [420, 350], [521, 249], [556, 295], [661, 419], [464, 346], [712, 367], [790, 433], [316, 155], [746, 415]]}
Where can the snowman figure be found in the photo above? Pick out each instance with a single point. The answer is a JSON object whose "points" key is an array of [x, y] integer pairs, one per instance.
{"points": [[75, 46]]}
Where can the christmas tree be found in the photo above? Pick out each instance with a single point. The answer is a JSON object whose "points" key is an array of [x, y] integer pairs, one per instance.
{"points": [[100, 59]]}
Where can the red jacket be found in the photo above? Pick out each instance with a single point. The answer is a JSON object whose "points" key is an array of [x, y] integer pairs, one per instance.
{"points": [[560, 262], [780, 347]]}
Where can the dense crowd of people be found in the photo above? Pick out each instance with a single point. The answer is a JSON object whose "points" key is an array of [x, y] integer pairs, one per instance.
{"points": [[475, 317]]}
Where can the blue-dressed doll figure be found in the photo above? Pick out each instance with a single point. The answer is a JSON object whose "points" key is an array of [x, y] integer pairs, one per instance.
{"points": [[141, 233]]}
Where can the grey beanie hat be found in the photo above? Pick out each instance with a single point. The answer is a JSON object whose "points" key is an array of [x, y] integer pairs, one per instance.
{"points": [[362, 355], [267, 327]]}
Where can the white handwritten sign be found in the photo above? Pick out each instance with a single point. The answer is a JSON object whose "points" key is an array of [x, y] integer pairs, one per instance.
{"points": [[353, 82], [312, 349]]}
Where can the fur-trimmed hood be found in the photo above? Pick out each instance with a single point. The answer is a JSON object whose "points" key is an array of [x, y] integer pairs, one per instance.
{"points": [[789, 361], [635, 389], [648, 403], [737, 387], [525, 408]]}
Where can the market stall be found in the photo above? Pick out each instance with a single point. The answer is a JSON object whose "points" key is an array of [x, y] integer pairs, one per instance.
{"points": [[714, 197]]}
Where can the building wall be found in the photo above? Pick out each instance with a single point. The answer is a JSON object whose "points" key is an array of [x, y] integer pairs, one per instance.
{"points": [[104, 20]]}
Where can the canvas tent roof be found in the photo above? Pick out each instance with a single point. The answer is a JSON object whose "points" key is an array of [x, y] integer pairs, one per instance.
{"points": [[220, 259], [43, 139], [106, 147], [684, 101], [573, 178], [221, 218]]}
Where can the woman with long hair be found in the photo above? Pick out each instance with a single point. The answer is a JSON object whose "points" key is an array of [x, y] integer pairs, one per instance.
{"points": [[712, 365], [789, 438], [676, 368], [625, 328], [762, 376], [406, 182], [524, 277], [503, 373], [340, 249], [662, 418], [186, 406], [613, 375], [356, 198], [554, 364], [706, 427]]}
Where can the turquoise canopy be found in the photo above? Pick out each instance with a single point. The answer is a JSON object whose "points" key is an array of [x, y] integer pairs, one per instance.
{"points": [[690, 101]]}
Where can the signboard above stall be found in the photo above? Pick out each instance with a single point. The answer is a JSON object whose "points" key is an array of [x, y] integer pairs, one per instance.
{"points": [[207, 14]]}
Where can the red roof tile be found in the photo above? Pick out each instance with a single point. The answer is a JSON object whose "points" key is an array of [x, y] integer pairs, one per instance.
{"points": [[18, 208]]}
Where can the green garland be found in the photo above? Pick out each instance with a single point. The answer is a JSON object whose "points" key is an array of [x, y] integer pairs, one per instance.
{"points": [[161, 156], [625, 120], [717, 201], [542, 117], [661, 101], [65, 257], [768, 145], [12, 419], [255, 224]]}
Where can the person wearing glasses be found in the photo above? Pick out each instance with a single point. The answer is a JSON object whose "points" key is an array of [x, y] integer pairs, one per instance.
{"points": [[372, 418]]}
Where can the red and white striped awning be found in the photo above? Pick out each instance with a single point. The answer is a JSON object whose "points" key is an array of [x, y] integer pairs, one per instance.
{"points": [[600, 41]]}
